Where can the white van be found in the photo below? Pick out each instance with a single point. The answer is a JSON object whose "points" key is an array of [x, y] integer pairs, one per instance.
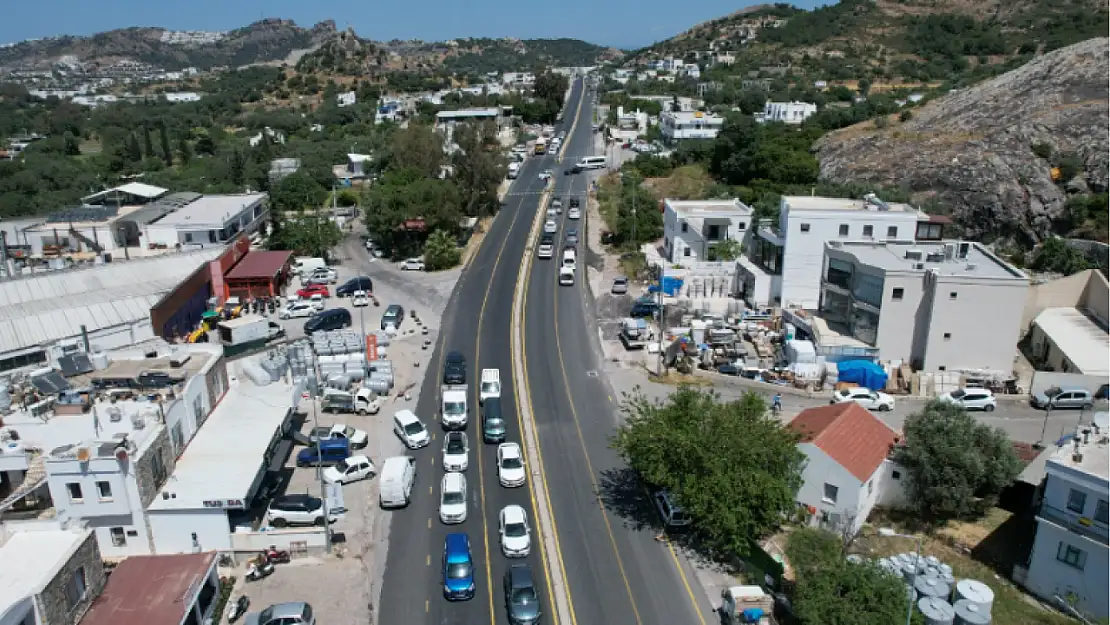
{"points": [[307, 264], [570, 258], [397, 479], [566, 276], [514, 170], [490, 385], [592, 162]]}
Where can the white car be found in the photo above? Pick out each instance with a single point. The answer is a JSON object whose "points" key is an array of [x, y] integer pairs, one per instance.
{"points": [[557, 205], [510, 465], [546, 174], [349, 470], [297, 509], [360, 298], [516, 536], [452, 498], [356, 438], [412, 264], [456, 451], [296, 309], [574, 213], [410, 429], [549, 227], [971, 399], [317, 301], [872, 400], [545, 250], [490, 385]]}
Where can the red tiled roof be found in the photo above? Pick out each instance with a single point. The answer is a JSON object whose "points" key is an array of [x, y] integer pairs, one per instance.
{"points": [[148, 590], [259, 265], [853, 437]]}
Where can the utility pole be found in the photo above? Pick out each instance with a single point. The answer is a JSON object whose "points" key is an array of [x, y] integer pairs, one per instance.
{"points": [[320, 477], [662, 320]]}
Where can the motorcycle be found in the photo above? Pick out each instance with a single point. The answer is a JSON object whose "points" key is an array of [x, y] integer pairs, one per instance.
{"points": [[272, 304], [239, 608], [259, 568], [277, 556]]}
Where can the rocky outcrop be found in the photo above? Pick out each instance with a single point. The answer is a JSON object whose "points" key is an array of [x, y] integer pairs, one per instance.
{"points": [[985, 155]]}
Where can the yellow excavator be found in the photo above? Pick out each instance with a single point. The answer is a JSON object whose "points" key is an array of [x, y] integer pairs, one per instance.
{"points": [[208, 322]]}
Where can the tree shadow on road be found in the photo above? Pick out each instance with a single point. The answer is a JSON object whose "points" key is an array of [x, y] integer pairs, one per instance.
{"points": [[623, 494]]}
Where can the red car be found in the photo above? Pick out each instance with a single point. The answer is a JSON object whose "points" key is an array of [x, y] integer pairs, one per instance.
{"points": [[313, 289]]}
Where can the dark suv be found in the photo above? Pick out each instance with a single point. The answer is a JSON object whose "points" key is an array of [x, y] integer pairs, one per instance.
{"points": [[522, 600], [454, 368], [360, 283]]}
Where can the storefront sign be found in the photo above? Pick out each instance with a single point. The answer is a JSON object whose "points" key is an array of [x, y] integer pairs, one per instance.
{"points": [[226, 504]]}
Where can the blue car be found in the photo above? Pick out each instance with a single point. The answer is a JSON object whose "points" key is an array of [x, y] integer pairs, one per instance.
{"points": [[458, 568]]}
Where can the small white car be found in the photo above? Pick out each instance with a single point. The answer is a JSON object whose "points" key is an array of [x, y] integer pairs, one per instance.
{"points": [[516, 536], [549, 226], [360, 298], [412, 264], [510, 465], [355, 437], [456, 451], [546, 174], [490, 385], [545, 250], [574, 213], [872, 400], [317, 302], [296, 309], [349, 470], [971, 399], [452, 498], [410, 429]]}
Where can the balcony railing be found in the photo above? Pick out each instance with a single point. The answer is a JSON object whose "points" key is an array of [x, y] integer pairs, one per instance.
{"points": [[1084, 526]]}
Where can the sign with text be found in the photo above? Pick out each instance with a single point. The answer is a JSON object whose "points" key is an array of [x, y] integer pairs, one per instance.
{"points": [[226, 504]]}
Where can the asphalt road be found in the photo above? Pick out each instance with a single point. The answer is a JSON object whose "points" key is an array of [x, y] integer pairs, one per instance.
{"points": [[617, 572], [477, 323]]}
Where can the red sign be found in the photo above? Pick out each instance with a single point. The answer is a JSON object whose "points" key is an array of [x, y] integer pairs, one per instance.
{"points": [[371, 347]]}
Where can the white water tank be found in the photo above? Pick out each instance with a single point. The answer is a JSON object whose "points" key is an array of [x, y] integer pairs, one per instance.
{"points": [[936, 611], [976, 592]]}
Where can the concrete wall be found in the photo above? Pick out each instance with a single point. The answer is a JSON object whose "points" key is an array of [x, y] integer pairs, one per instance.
{"points": [[312, 538], [52, 604], [1086, 289], [173, 530], [982, 321], [154, 467], [1048, 577]]}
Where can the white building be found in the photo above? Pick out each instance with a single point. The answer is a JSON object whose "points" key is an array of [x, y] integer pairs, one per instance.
{"points": [[204, 506], [49, 573], [787, 112], [942, 306], [692, 229], [784, 263], [680, 126], [1068, 563], [848, 470], [1071, 340], [350, 98], [209, 220], [275, 136], [182, 96]]}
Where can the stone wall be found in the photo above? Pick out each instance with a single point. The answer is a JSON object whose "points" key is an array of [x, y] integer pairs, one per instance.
{"points": [[52, 602], [150, 474]]}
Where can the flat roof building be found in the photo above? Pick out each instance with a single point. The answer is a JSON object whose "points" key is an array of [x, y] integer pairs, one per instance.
{"points": [[50, 574], [683, 125], [1070, 340], [209, 220], [693, 229]]}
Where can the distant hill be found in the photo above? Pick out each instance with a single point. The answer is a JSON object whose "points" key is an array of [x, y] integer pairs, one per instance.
{"points": [[481, 56], [263, 41]]}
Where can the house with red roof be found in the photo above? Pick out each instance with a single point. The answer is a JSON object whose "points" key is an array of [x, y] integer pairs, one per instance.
{"points": [[848, 468]]}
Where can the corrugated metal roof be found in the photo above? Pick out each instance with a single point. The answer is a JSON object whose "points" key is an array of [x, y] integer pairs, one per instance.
{"points": [[41, 309]]}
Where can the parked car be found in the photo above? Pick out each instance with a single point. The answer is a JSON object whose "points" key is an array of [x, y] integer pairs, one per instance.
{"points": [[510, 465], [872, 400], [358, 283], [971, 399], [324, 453], [297, 308], [522, 600], [671, 512], [296, 510], [411, 264], [516, 536], [394, 315], [1059, 398], [313, 289], [620, 286], [452, 498], [330, 319], [454, 368], [458, 568], [644, 308], [360, 299], [456, 451], [293, 613], [350, 470], [356, 438]]}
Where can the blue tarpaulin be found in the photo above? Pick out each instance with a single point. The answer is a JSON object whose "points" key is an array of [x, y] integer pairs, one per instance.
{"points": [[671, 286], [752, 615], [862, 372]]}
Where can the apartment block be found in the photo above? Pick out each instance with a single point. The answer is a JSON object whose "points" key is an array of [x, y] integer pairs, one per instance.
{"points": [[693, 229], [683, 125]]}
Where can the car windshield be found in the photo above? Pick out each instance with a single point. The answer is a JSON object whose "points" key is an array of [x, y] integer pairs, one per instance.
{"points": [[958, 393], [494, 424], [454, 407], [491, 387], [620, 281], [453, 497], [458, 570], [525, 600], [511, 462], [349, 432], [415, 427], [455, 446], [516, 530], [343, 465]]}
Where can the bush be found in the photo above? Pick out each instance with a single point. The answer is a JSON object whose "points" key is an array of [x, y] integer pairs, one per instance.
{"points": [[440, 251], [1042, 150], [905, 116]]}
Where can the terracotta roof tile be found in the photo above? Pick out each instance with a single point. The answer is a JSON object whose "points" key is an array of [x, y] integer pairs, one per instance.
{"points": [[856, 439], [148, 590]]}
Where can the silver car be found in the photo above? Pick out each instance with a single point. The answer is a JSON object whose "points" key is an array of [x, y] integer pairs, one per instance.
{"points": [[293, 613], [620, 286], [1059, 398]]}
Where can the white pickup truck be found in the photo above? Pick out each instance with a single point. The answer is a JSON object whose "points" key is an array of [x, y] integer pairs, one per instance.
{"points": [[453, 399]]}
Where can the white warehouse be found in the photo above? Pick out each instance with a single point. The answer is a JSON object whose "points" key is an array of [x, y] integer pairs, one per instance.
{"points": [[209, 220]]}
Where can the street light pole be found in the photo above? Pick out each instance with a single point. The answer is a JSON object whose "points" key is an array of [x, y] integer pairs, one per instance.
{"points": [[320, 477], [662, 320]]}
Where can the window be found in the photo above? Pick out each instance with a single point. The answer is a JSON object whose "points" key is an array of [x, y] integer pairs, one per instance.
{"points": [[76, 588], [948, 336], [805, 227], [953, 295], [1077, 500], [897, 293], [869, 231], [942, 368], [104, 491], [75, 493], [158, 470], [1102, 512], [714, 232], [870, 486], [929, 232], [896, 475], [830, 493], [1071, 556], [685, 251], [843, 230], [741, 225], [839, 273], [188, 237], [119, 539], [892, 232], [684, 227]]}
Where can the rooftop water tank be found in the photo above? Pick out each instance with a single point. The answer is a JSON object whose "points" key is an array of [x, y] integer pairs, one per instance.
{"points": [[99, 360], [931, 587], [976, 592], [936, 611], [968, 613]]}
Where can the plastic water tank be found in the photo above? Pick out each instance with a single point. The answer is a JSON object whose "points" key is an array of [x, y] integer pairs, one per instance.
{"points": [[968, 613], [932, 587], [936, 611], [976, 592], [99, 361], [908, 571]]}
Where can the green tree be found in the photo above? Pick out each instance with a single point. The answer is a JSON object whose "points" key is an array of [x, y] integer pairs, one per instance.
{"points": [[134, 152], [440, 251], [407, 195], [729, 249], [1056, 256], [811, 549], [733, 467], [846, 593], [638, 219], [297, 192], [418, 147], [479, 168], [148, 145], [307, 234], [184, 150], [905, 116], [956, 466], [205, 145], [72, 145], [164, 139], [752, 101]]}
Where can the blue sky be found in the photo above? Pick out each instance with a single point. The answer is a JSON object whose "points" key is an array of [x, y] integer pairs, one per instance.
{"points": [[622, 23]]}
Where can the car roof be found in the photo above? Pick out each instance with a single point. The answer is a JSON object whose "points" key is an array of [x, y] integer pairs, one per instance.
{"points": [[510, 449], [405, 416], [453, 480], [455, 356], [514, 514], [520, 576], [358, 458], [292, 608], [290, 499], [457, 545]]}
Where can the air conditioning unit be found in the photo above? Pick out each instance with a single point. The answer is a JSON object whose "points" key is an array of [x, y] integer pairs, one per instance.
{"points": [[913, 254]]}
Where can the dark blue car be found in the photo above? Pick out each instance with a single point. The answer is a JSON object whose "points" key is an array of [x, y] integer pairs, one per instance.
{"points": [[458, 568]]}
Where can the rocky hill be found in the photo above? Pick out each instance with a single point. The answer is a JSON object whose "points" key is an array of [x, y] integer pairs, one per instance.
{"points": [[988, 154], [266, 40]]}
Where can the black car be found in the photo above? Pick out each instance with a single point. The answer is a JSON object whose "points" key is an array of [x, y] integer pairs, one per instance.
{"points": [[360, 283], [330, 319], [522, 600], [547, 239], [573, 170], [454, 368], [574, 202], [644, 309]]}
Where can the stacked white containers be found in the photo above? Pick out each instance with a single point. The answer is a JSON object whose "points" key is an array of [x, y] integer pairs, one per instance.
{"points": [[972, 601], [928, 586], [936, 611]]}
